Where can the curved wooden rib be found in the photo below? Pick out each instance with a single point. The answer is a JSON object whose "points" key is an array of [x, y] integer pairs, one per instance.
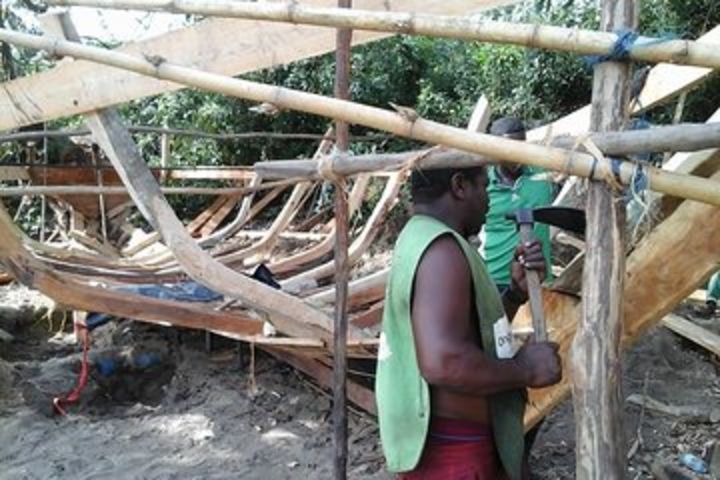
{"points": [[364, 240], [294, 262], [263, 248], [289, 314]]}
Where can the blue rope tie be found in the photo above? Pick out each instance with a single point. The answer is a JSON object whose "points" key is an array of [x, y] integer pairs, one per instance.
{"points": [[619, 52], [626, 40]]}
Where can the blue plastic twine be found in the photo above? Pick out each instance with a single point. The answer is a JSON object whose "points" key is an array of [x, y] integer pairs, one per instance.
{"points": [[620, 51]]}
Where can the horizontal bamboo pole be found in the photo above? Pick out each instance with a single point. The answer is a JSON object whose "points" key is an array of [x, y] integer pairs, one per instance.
{"points": [[467, 27], [675, 138], [111, 190], [40, 134], [672, 138], [399, 123]]}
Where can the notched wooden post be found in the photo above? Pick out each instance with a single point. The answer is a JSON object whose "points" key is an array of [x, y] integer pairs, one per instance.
{"points": [[596, 363]]}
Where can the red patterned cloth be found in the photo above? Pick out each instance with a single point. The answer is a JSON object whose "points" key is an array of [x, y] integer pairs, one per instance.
{"points": [[457, 450]]}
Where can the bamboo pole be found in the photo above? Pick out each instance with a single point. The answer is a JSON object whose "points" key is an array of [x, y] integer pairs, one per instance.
{"points": [[684, 138], [583, 42], [118, 190], [573, 163], [343, 41], [24, 136], [596, 349]]}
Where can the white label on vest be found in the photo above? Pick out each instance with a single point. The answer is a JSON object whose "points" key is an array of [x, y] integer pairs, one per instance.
{"points": [[504, 345], [384, 351]]}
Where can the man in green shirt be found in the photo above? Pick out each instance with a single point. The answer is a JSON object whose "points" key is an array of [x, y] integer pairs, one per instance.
{"points": [[450, 377], [512, 186]]}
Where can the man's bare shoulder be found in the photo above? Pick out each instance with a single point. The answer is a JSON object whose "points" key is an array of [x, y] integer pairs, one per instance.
{"points": [[444, 258]]}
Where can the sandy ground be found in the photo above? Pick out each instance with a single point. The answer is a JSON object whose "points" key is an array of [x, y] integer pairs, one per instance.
{"points": [[200, 415]]}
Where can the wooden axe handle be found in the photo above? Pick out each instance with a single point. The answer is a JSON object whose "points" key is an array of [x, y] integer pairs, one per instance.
{"points": [[534, 290]]}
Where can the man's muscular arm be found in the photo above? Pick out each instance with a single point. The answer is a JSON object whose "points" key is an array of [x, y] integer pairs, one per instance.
{"points": [[446, 336]]}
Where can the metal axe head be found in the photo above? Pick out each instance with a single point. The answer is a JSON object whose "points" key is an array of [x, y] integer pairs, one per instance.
{"points": [[570, 219]]}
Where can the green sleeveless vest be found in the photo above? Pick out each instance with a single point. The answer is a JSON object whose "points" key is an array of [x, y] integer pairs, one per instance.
{"points": [[403, 395]]}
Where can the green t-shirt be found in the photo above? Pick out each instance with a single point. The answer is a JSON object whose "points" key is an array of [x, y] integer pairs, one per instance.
{"points": [[713, 291], [530, 190]]}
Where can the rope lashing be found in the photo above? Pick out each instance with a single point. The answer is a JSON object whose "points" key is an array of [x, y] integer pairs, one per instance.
{"points": [[326, 168], [619, 52], [603, 168], [624, 43]]}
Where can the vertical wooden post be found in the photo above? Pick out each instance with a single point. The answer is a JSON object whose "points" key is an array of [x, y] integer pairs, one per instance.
{"points": [[101, 197], [342, 265], [164, 156], [596, 365]]}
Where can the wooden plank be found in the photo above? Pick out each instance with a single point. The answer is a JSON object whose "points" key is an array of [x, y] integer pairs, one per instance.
{"points": [[708, 340], [213, 45], [8, 172], [370, 317], [362, 291], [666, 81], [219, 215], [361, 396], [200, 220]]}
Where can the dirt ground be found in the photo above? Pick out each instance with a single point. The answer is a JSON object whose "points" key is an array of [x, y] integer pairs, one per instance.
{"points": [[189, 414]]}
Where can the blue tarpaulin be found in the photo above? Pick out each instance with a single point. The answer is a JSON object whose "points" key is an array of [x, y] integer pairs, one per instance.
{"points": [[184, 292]]}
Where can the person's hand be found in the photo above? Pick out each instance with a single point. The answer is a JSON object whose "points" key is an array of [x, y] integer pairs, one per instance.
{"points": [[527, 256], [540, 362]]}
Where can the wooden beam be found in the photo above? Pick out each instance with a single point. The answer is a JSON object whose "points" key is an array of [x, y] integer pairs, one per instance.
{"points": [[361, 396], [362, 291], [73, 88], [685, 328], [122, 191], [196, 223], [217, 218], [342, 262], [595, 357]]}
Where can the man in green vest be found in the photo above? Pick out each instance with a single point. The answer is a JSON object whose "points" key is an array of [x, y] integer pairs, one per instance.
{"points": [[511, 187], [451, 380]]}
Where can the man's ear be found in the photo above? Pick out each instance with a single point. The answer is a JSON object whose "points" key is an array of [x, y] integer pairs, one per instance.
{"points": [[458, 185]]}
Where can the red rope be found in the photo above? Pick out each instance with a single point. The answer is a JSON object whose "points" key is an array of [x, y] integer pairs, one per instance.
{"points": [[74, 395]]}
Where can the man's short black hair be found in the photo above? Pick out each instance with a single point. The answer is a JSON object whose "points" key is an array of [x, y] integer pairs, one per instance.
{"points": [[507, 126], [430, 184]]}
